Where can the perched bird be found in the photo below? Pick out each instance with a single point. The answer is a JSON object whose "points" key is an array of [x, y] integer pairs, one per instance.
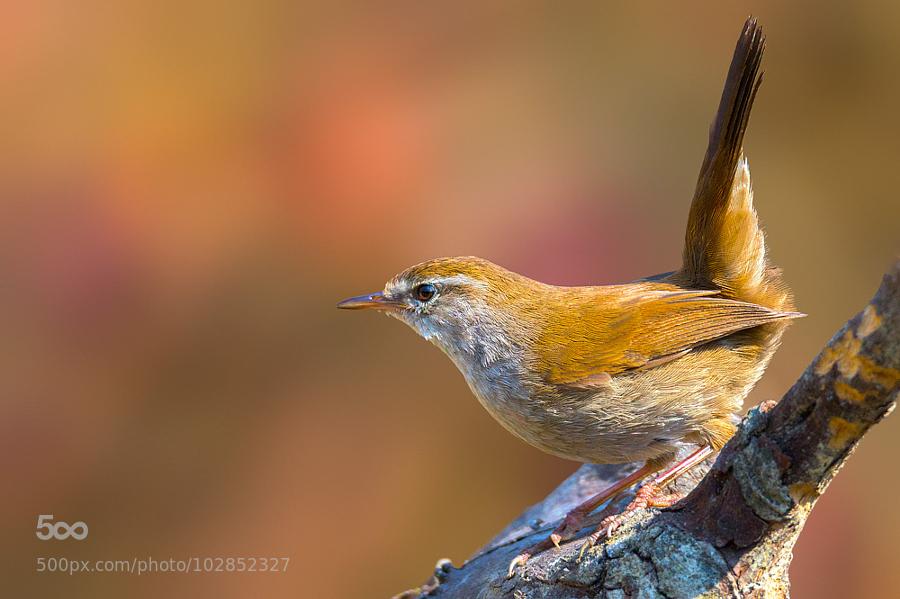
{"points": [[620, 373]]}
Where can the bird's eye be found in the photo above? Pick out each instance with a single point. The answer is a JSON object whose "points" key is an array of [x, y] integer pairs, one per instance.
{"points": [[425, 292]]}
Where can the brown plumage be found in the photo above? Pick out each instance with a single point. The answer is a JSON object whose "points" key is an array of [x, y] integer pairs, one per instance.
{"points": [[628, 372]]}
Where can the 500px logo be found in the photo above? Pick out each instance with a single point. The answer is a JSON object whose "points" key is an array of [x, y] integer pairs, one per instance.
{"points": [[59, 530]]}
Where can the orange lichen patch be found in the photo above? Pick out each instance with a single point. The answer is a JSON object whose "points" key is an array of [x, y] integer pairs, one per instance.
{"points": [[843, 432], [880, 375], [848, 393], [801, 491], [869, 323], [844, 354]]}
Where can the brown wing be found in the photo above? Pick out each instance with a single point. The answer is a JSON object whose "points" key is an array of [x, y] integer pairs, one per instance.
{"points": [[610, 330]]}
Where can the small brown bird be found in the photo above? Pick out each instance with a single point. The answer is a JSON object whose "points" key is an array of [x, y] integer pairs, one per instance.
{"points": [[620, 373]]}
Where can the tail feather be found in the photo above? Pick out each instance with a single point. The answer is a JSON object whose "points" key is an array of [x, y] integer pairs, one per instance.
{"points": [[724, 245]]}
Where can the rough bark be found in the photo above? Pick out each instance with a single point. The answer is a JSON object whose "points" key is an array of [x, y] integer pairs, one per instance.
{"points": [[733, 535]]}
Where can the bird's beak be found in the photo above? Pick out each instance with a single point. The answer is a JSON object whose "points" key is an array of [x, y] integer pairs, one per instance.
{"points": [[371, 300]]}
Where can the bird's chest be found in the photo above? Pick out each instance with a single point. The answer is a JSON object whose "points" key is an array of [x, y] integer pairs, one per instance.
{"points": [[517, 403], [499, 384]]}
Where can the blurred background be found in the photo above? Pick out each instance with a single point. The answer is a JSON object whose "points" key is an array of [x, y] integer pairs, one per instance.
{"points": [[188, 188]]}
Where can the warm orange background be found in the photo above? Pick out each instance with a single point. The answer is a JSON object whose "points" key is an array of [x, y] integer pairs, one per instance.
{"points": [[189, 188]]}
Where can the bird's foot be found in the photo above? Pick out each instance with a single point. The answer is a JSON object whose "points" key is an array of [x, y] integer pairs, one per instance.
{"points": [[568, 528], [648, 496]]}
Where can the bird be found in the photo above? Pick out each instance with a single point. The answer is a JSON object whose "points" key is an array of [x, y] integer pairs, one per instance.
{"points": [[626, 372]]}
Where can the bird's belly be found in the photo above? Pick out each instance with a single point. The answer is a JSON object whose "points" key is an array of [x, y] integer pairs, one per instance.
{"points": [[639, 416], [598, 427]]}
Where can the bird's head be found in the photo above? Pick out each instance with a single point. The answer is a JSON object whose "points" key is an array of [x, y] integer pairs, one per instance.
{"points": [[457, 303]]}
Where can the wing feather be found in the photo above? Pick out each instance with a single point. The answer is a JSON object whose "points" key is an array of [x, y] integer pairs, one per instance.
{"points": [[631, 327]]}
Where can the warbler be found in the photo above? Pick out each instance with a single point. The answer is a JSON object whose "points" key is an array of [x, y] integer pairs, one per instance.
{"points": [[621, 373]]}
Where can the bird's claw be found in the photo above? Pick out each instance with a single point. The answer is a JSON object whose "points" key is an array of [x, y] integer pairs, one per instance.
{"points": [[590, 541], [568, 528], [611, 524], [555, 538], [519, 560]]}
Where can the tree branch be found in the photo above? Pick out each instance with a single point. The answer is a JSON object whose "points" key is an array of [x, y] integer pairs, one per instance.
{"points": [[733, 534]]}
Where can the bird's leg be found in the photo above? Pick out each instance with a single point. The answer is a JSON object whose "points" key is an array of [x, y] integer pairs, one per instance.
{"points": [[574, 520], [649, 494]]}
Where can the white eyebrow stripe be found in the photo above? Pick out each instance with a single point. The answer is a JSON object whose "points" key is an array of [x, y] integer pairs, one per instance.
{"points": [[457, 279]]}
